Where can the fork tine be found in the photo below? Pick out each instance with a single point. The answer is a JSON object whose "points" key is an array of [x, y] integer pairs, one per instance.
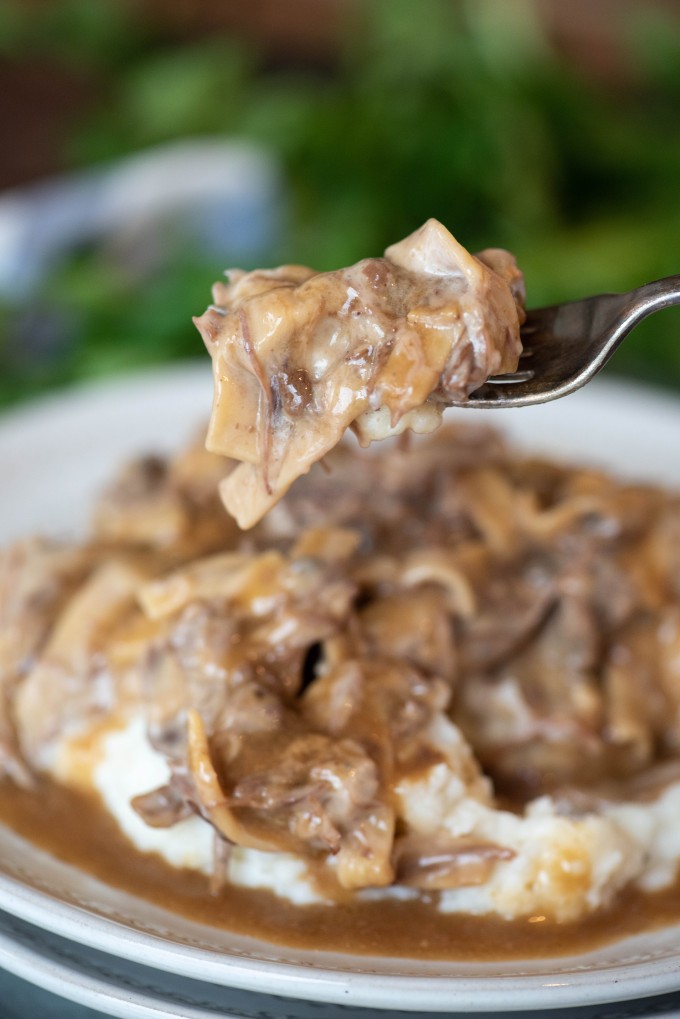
{"points": [[507, 380]]}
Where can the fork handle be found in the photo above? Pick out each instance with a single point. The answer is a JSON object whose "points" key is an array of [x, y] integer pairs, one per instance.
{"points": [[654, 296], [620, 313]]}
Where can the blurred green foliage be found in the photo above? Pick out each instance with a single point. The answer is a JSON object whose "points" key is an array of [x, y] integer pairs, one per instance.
{"points": [[459, 109]]}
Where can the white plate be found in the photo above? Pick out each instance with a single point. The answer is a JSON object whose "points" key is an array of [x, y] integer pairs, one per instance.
{"points": [[53, 456], [120, 988]]}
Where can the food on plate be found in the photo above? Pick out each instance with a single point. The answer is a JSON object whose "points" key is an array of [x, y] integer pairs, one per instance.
{"points": [[300, 356], [446, 673], [443, 677]]}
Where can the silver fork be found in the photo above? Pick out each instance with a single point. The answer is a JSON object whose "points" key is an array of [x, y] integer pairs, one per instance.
{"points": [[565, 345]]}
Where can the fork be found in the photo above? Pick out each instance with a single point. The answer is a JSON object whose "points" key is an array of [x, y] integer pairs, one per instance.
{"points": [[565, 345]]}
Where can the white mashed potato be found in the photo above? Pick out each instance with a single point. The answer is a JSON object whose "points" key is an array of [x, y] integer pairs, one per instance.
{"points": [[128, 765], [562, 866]]}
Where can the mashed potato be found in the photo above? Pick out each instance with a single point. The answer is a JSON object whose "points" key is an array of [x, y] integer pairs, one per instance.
{"points": [[562, 867]]}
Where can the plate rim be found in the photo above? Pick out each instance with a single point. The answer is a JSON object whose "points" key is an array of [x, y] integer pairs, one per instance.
{"points": [[42, 965]]}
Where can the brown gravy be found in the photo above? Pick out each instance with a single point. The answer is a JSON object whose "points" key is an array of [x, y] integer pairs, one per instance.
{"points": [[77, 831]]}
